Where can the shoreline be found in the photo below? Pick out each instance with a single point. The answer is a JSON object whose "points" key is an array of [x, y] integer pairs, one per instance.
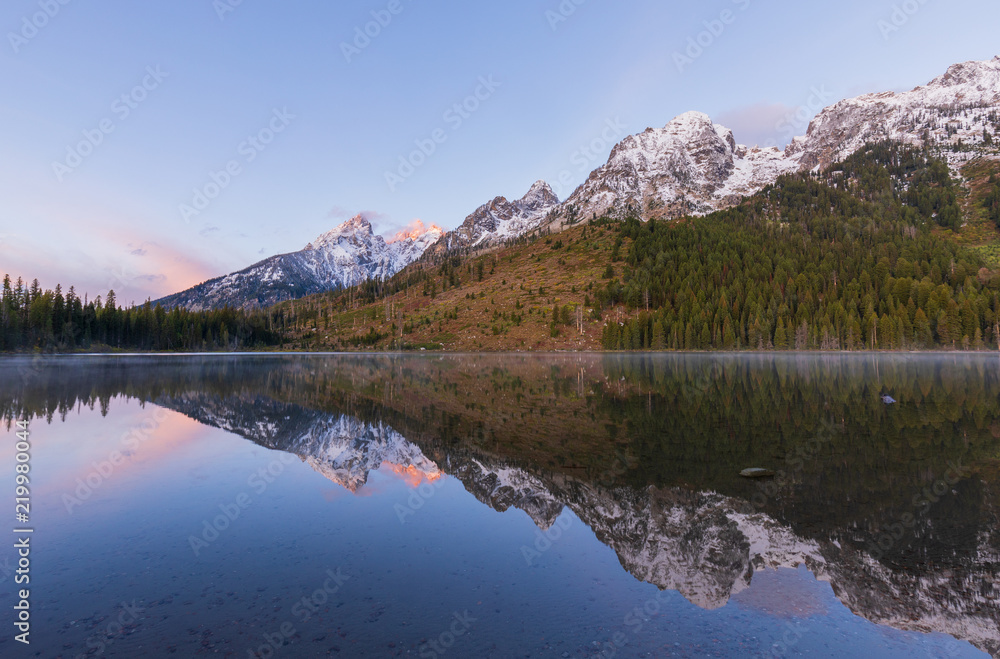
{"points": [[400, 353]]}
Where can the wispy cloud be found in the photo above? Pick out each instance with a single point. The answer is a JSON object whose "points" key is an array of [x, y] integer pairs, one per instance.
{"points": [[382, 222], [375, 217], [757, 125], [338, 213], [341, 213]]}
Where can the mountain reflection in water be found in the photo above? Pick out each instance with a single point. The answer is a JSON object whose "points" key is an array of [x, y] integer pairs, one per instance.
{"points": [[895, 506]]}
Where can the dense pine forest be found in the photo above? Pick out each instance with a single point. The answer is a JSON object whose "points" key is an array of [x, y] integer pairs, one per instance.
{"points": [[849, 259], [31, 319]]}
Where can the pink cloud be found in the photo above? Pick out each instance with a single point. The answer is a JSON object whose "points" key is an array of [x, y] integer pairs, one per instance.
{"points": [[105, 259]]}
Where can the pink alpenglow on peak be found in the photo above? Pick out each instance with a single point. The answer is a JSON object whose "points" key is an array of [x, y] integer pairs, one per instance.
{"points": [[415, 231]]}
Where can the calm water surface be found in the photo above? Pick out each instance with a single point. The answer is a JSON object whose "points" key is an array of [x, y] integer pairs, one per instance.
{"points": [[507, 506]]}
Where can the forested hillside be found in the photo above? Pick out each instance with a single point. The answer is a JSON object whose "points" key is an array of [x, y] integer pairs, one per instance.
{"points": [[849, 259]]}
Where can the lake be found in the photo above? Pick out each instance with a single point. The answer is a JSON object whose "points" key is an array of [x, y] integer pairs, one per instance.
{"points": [[573, 505]]}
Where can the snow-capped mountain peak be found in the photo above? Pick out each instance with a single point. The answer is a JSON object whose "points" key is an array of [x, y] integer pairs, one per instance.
{"points": [[539, 196], [690, 166], [500, 219], [689, 126], [982, 80], [954, 106], [343, 257], [356, 228], [411, 243], [417, 232]]}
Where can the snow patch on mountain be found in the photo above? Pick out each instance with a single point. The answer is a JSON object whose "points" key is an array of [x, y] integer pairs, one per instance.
{"points": [[958, 105], [502, 487], [690, 166]]}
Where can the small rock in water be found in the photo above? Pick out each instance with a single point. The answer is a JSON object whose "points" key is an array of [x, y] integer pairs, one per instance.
{"points": [[888, 400], [757, 472]]}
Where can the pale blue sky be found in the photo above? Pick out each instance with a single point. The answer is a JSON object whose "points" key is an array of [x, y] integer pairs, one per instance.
{"points": [[549, 83]]}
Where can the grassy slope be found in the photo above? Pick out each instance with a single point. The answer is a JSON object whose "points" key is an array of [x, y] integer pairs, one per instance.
{"points": [[537, 276], [979, 233]]}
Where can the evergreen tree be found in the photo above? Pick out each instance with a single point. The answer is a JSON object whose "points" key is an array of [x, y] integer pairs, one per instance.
{"points": [[780, 338]]}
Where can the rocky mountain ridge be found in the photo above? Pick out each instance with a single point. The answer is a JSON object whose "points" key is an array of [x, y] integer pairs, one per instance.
{"points": [[694, 167], [499, 219]]}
